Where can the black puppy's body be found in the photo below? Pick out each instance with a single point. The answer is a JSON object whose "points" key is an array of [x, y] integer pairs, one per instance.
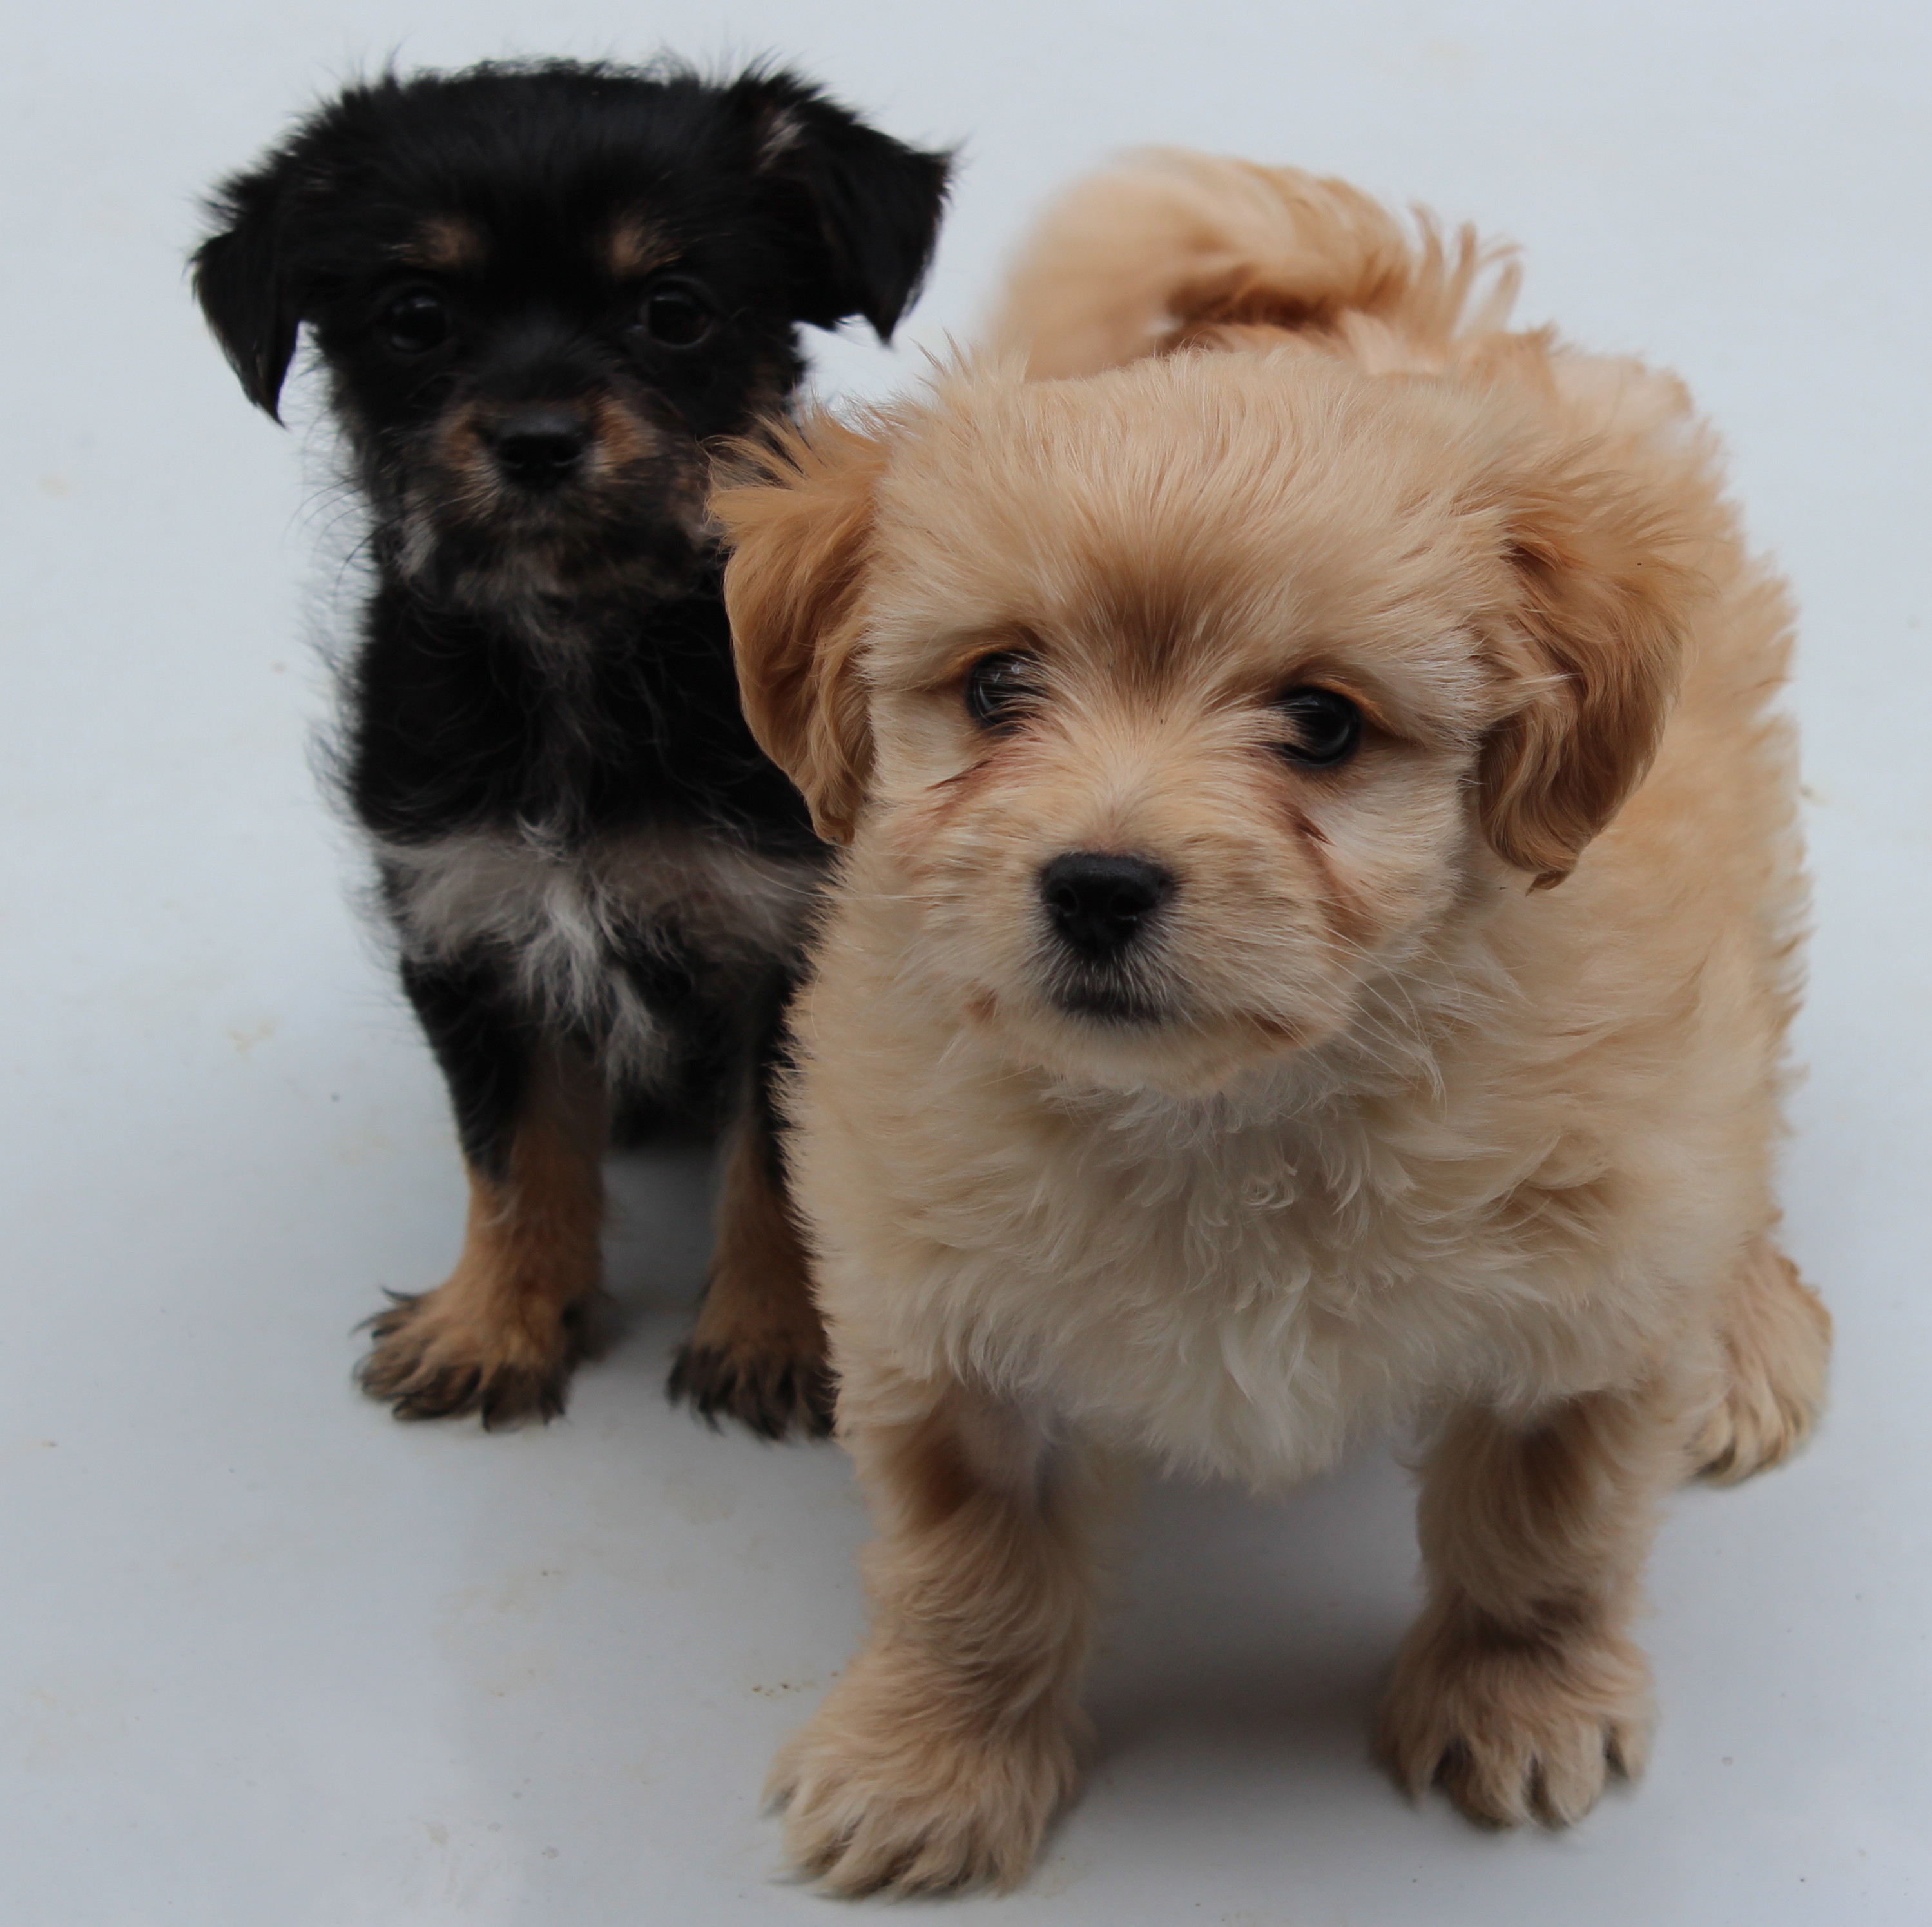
{"points": [[540, 830], [540, 294]]}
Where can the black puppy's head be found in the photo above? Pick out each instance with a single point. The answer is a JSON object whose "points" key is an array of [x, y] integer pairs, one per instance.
{"points": [[540, 290]]}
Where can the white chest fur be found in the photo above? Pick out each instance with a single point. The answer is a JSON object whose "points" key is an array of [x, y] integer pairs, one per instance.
{"points": [[564, 920]]}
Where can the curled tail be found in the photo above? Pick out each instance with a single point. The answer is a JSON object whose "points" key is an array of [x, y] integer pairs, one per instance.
{"points": [[1169, 248]]}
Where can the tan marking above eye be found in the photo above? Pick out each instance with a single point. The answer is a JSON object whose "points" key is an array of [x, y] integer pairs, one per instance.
{"points": [[446, 243], [637, 247]]}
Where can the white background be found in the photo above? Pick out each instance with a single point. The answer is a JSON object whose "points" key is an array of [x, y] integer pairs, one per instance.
{"points": [[270, 1659]]}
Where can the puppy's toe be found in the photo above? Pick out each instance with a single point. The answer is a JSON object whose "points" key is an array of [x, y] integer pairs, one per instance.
{"points": [[432, 1357], [1515, 1731], [1778, 1341], [768, 1388], [879, 1800]]}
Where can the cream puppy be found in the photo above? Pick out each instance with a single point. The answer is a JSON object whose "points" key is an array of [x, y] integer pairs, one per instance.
{"points": [[1312, 953]]}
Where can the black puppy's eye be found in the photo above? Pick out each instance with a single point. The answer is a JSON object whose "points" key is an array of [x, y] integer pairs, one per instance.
{"points": [[1325, 729], [416, 322], [677, 317], [999, 689]]}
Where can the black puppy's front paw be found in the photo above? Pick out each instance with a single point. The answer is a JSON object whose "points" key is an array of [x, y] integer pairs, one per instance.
{"points": [[431, 1358], [769, 1390]]}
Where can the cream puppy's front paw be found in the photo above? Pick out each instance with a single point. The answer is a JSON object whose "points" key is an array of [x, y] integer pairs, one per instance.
{"points": [[895, 1790], [1777, 1345], [1515, 1727]]}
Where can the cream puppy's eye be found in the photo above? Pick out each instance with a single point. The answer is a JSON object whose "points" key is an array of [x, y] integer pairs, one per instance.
{"points": [[1323, 728], [999, 689]]}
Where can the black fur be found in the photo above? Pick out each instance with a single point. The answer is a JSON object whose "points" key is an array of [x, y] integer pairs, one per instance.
{"points": [[541, 293], [484, 1042]]}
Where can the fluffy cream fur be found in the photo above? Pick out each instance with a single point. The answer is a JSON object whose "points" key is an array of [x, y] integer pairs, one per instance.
{"points": [[1451, 1091]]}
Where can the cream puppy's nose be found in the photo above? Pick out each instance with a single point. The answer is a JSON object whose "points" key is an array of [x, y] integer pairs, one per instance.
{"points": [[1099, 904]]}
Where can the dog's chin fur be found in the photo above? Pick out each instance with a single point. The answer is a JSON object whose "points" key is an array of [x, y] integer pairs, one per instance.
{"points": [[1162, 1048], [1463, 1107], [1169, 1058]]}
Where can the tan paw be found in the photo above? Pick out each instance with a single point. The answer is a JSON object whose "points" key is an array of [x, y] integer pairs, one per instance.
{"points": [[886, 1795], [757, 1354], [766, 1389], [433, 1357], [1778, 1342], [1515, 1731]]}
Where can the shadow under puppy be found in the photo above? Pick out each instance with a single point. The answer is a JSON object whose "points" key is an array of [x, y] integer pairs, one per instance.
{"points": [[540, 292], [1312, 955]]}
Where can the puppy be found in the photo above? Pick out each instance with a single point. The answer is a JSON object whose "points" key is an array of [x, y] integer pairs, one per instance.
{"points": [[541, 292], [1312, 953]]}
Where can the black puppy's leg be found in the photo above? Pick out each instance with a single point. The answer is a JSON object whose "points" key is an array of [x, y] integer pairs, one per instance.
{"points": [[758, 1353], [501, 1336]]}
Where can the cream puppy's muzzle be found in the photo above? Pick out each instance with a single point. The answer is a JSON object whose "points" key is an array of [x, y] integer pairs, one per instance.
{"points": [[1130, 887], [1101, 961]]}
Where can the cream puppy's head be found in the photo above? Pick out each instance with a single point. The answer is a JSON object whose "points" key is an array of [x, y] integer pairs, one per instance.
{"points": [[1168, 709]]}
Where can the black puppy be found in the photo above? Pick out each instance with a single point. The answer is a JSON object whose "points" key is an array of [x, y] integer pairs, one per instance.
{"points": [[540, 292]]}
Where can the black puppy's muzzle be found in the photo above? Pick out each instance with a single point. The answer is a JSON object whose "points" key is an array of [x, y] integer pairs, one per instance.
{"points": [[538, 445]]}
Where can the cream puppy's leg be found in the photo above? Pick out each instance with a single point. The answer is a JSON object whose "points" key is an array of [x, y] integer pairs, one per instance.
{"points": [[939, 1758], [1519, 1690]]}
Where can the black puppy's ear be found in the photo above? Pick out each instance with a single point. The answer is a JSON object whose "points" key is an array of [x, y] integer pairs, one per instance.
{"points": [[859, 211], [244, 280]]}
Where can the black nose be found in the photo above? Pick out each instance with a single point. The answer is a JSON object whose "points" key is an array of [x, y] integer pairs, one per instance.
{"points": [[1100, 903], [536, 445]]}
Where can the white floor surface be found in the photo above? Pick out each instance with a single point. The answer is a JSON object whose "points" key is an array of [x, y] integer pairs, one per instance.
{"points": [[272, 1660]]}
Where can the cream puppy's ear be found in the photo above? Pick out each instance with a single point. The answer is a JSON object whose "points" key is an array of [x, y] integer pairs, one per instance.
{"points": [[1602, 594], [800, 523]]}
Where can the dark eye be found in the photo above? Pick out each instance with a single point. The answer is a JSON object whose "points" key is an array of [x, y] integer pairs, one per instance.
{"points": [[414, 323], [1324, 729], [999, 688], [677, 317]]}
